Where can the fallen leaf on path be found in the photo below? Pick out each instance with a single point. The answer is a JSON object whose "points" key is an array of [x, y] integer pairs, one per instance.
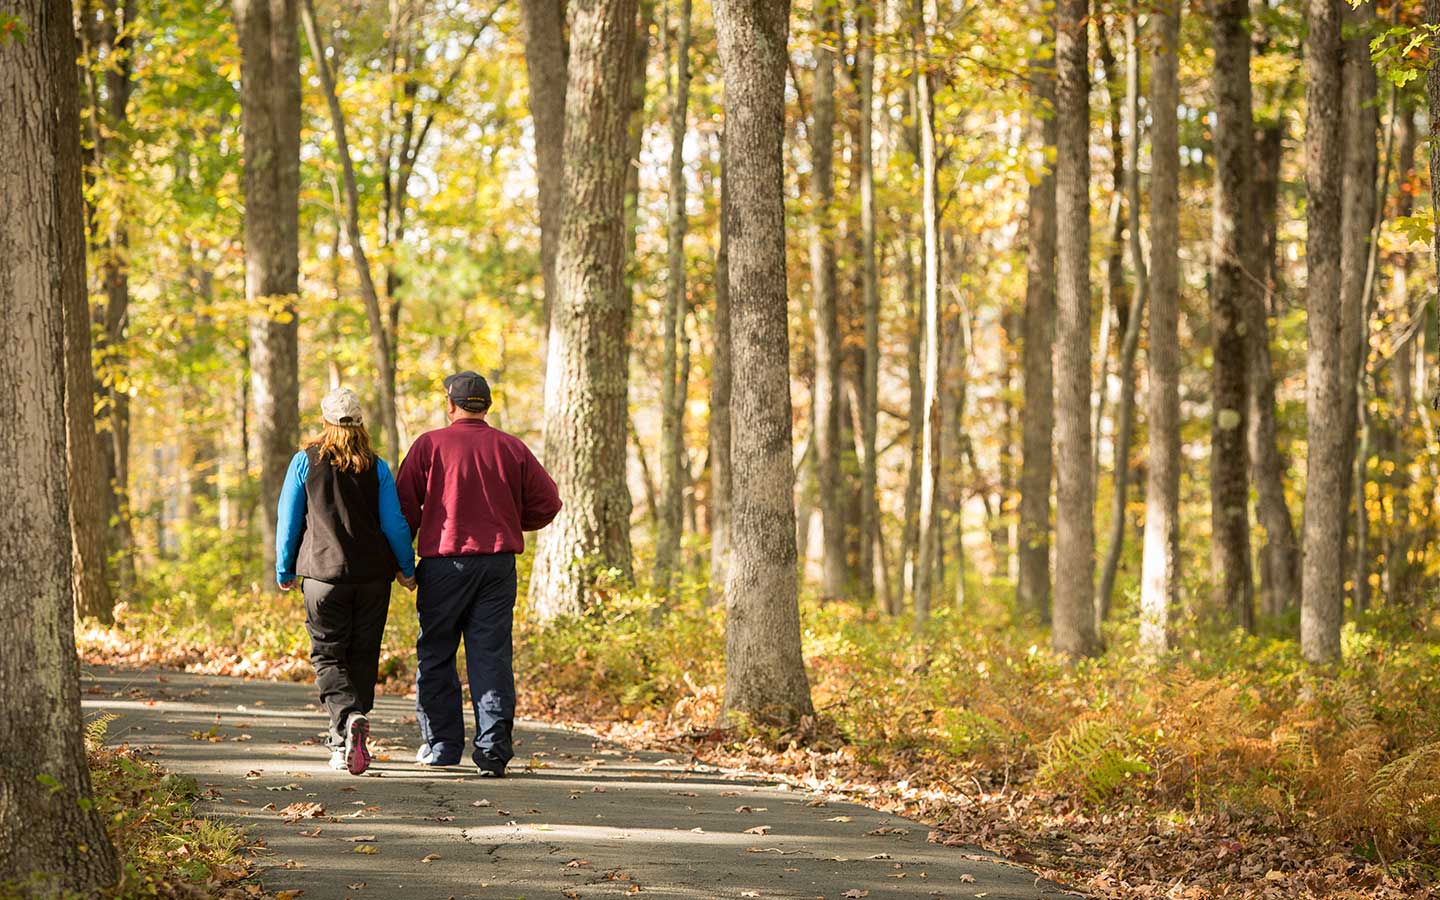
{"points": [[855, 892], [577, 863], [315, 833], [366, 848], [571, 894], [887, 856], [297, 811], [758, 829], [967, 878], [361, 839], [889, 831], [287, 895], [697, 830], [729, 793], [443, 818], [749, 893], [429, 857], [356, 886], [292, 786], [481, 803], [840, 819], [685, 793]]}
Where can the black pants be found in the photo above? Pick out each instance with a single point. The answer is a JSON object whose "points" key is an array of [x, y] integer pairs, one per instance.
{"points": [[469, 597], [346, 623]]}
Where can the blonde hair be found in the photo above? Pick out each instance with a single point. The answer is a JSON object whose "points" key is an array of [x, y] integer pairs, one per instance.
{"points": [[346, 447]]}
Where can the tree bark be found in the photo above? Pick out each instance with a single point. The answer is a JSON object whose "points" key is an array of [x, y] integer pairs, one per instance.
{"points": [[1074, 615], [1397, 436], [1359, 163], [54, 839], [1130, 344], [931, 422], [1280, 555], [870, 290], [825, 310], [764, 670], [379, 338], [585, 413], [1322, 602], [673, 467], [546, 64], [1113, 307], [910, 530], [1038, 422], [270, 125], [721, 471], [1231, 291]]}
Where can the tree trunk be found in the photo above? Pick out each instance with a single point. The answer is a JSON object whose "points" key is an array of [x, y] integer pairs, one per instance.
{"points": [[1359, 162], [270, 124], [825, 309], [1397, 549], [764, 670], [720, 388], [54, 838], [1074, 615], [1038, 422], [870, 290], [379, 339], [931, 422], [1280, 556], [1231, 291], [1130, 345], [672, 401], [585, 413], [546, 63], [1326, 382], [910, 530], [1112, 304]]}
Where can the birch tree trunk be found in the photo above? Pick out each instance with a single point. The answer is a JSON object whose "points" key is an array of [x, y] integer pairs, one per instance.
{"points": [[764, 670], [932, 424], [672, 401], [1038, 421], [1074, 616], [870, 289], [1130, 344], [54, 840], [379, 339], [585, 414], [1231, 291], [1322, 602]]}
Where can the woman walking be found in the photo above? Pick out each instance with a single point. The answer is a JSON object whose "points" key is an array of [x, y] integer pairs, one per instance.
{"points": [[339, 527]]}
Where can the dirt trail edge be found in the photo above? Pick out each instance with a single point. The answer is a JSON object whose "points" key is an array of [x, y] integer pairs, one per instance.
{"points": [[576, 818]]}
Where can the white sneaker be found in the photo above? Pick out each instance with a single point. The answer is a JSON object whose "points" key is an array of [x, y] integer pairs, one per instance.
{"points": [[337, 759]]}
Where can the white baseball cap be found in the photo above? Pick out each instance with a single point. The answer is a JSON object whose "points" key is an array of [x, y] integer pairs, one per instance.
{"points": [[342, 407]]}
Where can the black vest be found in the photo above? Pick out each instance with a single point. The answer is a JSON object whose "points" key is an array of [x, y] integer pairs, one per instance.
{"points": [[343, 542]]}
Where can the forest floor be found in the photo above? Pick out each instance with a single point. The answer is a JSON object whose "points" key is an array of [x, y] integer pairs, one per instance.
{"points": [[580, 817]]}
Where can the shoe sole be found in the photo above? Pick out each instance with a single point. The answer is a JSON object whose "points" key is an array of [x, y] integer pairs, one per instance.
{"points": [[357, 754]]}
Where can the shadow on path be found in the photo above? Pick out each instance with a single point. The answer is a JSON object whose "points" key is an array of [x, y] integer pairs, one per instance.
{"points": [[577, 817]]}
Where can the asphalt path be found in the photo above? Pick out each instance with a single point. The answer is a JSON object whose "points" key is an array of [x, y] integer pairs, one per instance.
{"points": [[576, 817]]}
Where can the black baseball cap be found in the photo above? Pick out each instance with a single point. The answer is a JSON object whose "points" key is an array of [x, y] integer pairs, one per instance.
{"points": [[468, 390]]}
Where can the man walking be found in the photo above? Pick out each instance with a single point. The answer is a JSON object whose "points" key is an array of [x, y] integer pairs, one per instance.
{"points": [[469, 492]]}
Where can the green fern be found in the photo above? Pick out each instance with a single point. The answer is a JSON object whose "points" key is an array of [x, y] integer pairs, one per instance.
{"points": [[1095, 757], [97, 729]]}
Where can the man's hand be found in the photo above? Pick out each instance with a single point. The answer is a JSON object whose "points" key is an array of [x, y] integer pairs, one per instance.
{"points": [[406, 581], [287, 585]]}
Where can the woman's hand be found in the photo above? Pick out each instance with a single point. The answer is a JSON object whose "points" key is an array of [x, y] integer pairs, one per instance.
{"points": [[287, 585], [406, 581]]}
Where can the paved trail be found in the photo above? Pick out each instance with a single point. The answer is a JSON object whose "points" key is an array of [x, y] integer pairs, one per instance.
{"points": [[577, 818]]}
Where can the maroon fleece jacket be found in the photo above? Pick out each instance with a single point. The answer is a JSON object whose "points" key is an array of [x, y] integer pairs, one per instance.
{"points": [[471, 489]]}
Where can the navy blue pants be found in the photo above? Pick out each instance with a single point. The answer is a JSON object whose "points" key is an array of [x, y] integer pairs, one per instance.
{"points": [[469, 597]]}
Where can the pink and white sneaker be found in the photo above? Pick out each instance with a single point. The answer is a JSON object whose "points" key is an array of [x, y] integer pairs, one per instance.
{"points": [[357, 751]]}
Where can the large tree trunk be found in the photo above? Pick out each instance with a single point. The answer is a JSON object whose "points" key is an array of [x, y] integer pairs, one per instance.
{"points": [[270, 124], [1038, 421], [764, 670], [1398, 567], [910, 528], [1280, 556], [379, 338], [673, 467], [1130, 344], [1326, 381], [546, 63], [1359, 162], [1231, 291], [826, 311], [721, 476], [1160, 559], [870, 289], [585, 413], [931, 423], [1113, 306], [1074, 615], [54, 839]]}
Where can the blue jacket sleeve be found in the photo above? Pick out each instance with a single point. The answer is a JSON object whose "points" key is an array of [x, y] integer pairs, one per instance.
{"points": [[290, 518], [392, 521]]}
